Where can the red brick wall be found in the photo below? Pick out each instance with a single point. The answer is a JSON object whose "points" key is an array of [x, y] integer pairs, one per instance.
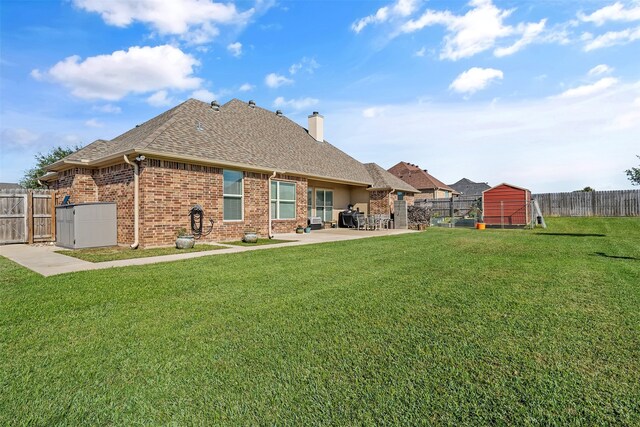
{"points": [[379, 202], [115, 184], [77, 183], [169, 189]]}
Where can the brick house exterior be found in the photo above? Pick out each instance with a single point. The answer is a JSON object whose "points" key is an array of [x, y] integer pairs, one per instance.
{"points": [[171, 181], [429, 187]]}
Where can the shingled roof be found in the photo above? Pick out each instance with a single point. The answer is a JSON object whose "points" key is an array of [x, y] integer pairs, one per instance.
{"points": [[418, 178], [237, 135], [384, 180], [469, 188]]}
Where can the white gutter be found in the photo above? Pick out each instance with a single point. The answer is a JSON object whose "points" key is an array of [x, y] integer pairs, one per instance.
{"points": [[136, 212], [269, 201]]}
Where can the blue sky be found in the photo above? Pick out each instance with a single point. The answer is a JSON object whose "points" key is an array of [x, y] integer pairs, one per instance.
{"points": [[543, 94]]}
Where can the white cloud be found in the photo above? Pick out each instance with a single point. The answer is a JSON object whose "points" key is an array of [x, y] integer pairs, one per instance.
{"points": [[372, 112], [400, 8], [160, 99], [530, 33], [475, 79], [614, 12], [420, 53], [611, 38], [107, 108], [137, 70], [627, 121], [246, 87], [196, 20], [306, 64], [17, 138], [94, 123], [477, 30], [590, 89], [203, 95], [235, 49], [600, 69], [295, 104], [274, 80], [636, 102]]}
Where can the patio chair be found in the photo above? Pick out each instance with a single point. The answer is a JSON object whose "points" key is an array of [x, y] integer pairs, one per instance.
{"points": [[373, 222], [360, 220]]}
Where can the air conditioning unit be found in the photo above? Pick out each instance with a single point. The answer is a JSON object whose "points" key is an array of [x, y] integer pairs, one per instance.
{"points": [[315, 220]]}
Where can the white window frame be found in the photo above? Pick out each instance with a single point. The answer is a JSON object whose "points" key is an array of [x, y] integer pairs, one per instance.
{"points": [[277, 199], [315, 200], [233, 196]]}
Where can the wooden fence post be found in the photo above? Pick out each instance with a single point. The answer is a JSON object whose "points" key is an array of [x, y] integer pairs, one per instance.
{"points": [[53, 216], [30, 217]]}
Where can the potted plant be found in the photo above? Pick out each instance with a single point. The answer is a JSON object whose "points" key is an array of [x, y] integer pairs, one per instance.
{"points": [[300, 229], [184, 240], [307, 229], [250, 236]]}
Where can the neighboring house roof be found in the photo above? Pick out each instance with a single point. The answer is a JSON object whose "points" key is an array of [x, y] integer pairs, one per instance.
{"points": [[469, 188], [418, 178], [384, 180], [237, 135], [9, 186]]}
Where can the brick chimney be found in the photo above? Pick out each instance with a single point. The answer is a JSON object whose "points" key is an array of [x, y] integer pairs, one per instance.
{"points": [[316, 126]]}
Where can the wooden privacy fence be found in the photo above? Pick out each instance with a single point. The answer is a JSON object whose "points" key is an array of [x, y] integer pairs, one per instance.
{"points": [[590, 203], [27, 216]]}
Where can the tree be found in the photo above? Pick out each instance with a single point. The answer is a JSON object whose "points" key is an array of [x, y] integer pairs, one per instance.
{"points": [[634, 175], [30, 178]]}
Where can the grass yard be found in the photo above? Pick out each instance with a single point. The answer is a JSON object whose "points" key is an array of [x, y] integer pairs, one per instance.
{"points": [[448, 326], [115, 253], [260, 242]]}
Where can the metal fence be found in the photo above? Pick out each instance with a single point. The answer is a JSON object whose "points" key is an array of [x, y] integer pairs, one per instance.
{"points": [[590, 203], [459, 211], [456, 206], [466, 212], [27, 216]]}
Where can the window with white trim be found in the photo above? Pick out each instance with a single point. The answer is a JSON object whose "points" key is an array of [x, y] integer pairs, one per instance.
{"points": [[283, 200], [232, 195], [324, 204]]}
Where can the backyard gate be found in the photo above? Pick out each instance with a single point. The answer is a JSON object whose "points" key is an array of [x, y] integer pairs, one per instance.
{"points": [[27, 216]]}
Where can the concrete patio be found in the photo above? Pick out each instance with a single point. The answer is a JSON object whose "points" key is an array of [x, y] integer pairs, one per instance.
{"points": [[44, 260]]}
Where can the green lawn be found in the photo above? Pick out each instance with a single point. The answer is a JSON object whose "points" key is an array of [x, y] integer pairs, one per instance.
{"points": [[260, 242], [114, 253], [447, 326]]}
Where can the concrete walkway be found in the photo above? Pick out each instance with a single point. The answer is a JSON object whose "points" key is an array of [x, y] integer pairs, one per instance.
{"points": [[43, 260]]}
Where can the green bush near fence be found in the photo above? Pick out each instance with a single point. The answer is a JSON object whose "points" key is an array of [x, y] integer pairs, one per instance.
{"points": [[446, 326]]}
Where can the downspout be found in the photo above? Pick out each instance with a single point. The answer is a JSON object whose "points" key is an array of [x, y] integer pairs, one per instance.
{"points": [[136, 212], [269, 201]]}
